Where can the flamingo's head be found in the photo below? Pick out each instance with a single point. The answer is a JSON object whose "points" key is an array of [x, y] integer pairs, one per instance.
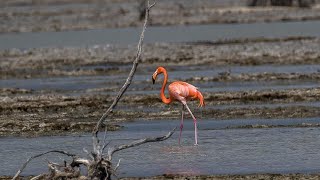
{"points": [[157, 72]]}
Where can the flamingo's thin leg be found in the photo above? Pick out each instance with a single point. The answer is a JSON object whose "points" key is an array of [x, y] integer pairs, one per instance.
{"points": [[195, 124], [181, 124]]}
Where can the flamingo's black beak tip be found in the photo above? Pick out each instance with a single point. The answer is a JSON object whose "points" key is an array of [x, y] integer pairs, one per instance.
{"points": [[153, 80]]}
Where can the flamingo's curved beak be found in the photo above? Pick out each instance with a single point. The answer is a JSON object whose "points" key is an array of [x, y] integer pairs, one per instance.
{"points": [[154, 76], [153, 80]]}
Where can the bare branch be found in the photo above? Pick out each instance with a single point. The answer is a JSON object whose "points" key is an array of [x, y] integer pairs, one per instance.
{"points": [[41, 176], [105, 136], [38, 155], [115, 169], [150, 6], [104, 146], [126, 84], [57, 173], [55, 164], [137, 143], [88, 153], [81, 161]]}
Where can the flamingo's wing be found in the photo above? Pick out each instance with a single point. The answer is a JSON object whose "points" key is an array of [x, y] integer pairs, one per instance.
{"points": [[190, 86], [181, 90]]}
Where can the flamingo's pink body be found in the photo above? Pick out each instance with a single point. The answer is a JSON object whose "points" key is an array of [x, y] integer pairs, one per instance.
{"points": [[179, 91]]}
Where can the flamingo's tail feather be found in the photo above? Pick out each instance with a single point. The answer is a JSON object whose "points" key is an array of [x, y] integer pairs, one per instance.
{"points": [[200, 97]]}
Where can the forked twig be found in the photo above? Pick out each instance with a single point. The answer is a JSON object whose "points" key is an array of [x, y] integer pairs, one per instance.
{"points": [[137, 143], [38, 155], [117, 166]]}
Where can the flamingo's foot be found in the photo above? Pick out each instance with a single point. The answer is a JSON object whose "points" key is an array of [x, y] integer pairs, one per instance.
{"points": [[196, 144]]}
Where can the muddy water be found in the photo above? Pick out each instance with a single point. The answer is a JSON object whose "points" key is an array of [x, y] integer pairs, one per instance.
{"points": [[126, 36], [231, 151]]}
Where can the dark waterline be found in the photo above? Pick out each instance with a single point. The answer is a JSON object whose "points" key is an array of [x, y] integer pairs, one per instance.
{"points": [[124, 36]]}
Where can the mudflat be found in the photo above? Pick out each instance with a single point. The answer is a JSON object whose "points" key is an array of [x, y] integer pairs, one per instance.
{"points": [[65, 90]]}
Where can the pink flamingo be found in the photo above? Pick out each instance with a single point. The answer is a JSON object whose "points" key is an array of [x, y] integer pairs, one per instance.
{"points": [[179, 91]]}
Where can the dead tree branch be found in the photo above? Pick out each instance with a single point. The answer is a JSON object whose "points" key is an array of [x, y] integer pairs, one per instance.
{"points": [[129, 79], [137, 143], [38, 155], [58, 171]]}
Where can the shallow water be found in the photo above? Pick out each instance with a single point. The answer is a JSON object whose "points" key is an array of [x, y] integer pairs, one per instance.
{"points": [[124, 36], [232, 151]]}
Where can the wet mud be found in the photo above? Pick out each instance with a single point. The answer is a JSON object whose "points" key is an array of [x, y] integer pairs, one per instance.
{"points": [[215, 177], [104, 60], [235, 177], [50, 115]]}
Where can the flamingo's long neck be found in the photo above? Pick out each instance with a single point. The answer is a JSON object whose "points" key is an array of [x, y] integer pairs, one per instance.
{"points": [[163, 97]]}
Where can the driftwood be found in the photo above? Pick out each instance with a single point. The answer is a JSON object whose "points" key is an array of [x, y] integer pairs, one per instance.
{"points": [[98, 163], [99, 166], [36, 156]]}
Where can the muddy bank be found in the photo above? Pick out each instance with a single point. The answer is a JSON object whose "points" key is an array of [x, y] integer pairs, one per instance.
{"points": [[33, 129], [275, 96], [218, 177], [54, 102], [234, 177], [227, 76], [33, 16], [113, 60], [302, 125], [48, 114]]}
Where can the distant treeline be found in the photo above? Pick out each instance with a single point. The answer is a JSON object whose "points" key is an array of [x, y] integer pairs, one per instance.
{"points": [[299, 3]]}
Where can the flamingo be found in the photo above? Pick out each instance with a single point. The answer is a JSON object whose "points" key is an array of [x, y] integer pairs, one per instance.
{"points": [[179, 91]]}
